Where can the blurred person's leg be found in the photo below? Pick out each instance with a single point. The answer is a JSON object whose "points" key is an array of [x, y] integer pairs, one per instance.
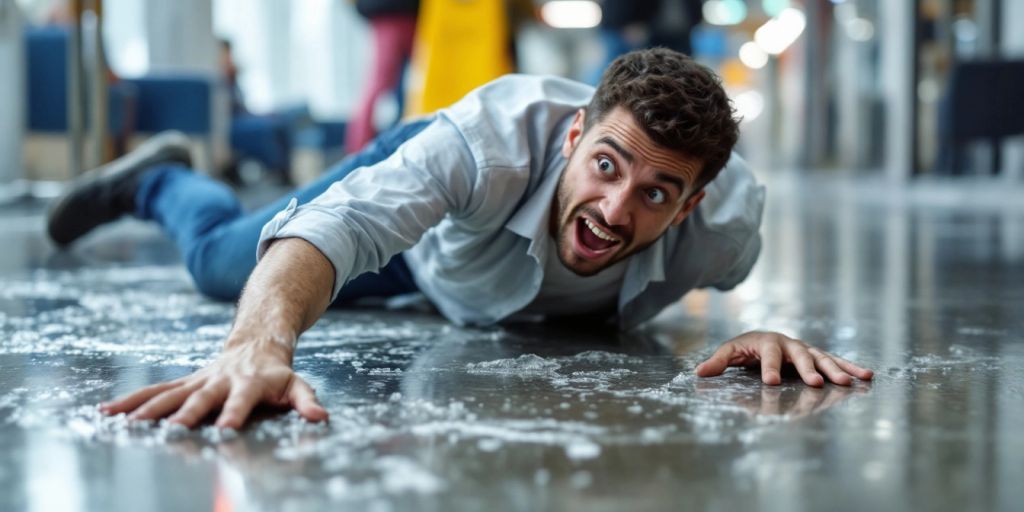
{"points": [[217, 240], [613, 43], [392, 45]]}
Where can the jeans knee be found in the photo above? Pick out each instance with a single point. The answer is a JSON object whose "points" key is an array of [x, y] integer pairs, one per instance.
{"points": [[216, 276]]}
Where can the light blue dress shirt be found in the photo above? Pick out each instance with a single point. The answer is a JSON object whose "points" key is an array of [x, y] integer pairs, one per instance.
{"points": [[467, 202]]}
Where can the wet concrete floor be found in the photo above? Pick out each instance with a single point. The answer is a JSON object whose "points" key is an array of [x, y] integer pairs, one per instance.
{"points": [[428, 416]]}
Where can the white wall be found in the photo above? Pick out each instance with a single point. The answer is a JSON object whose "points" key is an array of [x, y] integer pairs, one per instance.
{"points": [[180, 36], [12, 115], [124, 30], [1013, 47], [896, 23], [314, 52]]}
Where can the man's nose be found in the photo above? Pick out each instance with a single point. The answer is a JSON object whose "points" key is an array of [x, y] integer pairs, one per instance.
{"points": [[616, 207]]}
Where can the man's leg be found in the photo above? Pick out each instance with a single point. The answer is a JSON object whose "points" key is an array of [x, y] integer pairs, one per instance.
{"points": [[218, 241]]}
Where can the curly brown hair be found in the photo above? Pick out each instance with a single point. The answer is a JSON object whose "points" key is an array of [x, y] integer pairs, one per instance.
{"points": [[680, 104]]}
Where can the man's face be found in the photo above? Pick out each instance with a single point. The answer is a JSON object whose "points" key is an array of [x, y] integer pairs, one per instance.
{"points": [[619, 192]]}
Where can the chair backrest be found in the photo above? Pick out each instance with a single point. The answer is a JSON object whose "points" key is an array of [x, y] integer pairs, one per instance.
{"points": [[46, 60], [178, 101]]}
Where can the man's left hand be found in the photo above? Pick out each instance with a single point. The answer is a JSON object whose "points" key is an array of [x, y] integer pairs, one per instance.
{"points": [[771, 350]]}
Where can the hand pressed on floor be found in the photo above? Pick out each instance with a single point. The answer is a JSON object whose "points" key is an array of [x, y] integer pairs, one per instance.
{"points": [[241, 378], [285, 294], [771, 350]]}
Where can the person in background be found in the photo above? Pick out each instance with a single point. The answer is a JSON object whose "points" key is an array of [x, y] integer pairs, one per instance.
{"points": [[393, 25], [229, 71], [635, 24], [265, 138], [520, 13]]}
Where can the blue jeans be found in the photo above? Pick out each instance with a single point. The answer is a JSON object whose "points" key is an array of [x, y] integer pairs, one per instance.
{"points": [[218, 240]]}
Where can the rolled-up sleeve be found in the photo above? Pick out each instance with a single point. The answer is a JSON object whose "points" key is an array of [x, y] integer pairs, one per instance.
{"points": [[735, 215], [362, 221], [745, 260]]}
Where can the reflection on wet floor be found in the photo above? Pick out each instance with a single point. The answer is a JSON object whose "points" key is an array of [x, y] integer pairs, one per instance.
{"points": [[431, 416]]}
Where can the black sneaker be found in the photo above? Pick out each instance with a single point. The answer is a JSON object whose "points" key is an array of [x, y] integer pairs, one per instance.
{"points": [[107, 192]]}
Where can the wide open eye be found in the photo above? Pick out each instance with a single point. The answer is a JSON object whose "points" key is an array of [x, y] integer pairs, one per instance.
{"points": [[656, 195], [606, 166]]}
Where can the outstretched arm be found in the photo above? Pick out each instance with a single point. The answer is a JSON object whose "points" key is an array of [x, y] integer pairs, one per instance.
{"points": [[354, 227], [287, 292]]}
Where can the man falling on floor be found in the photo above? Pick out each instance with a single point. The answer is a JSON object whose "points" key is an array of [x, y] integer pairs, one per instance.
{"points": [[531, 196]]}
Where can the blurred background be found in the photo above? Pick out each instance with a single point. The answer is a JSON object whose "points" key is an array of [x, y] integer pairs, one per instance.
{"points": [[844, 103], [900, 91]]}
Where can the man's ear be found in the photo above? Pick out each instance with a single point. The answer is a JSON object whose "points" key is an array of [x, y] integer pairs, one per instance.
{"points": [[572, 138], [688, 206]]}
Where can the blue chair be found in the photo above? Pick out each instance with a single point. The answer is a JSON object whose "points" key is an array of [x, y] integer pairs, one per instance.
{"points": [[177, 101], [151, 104], [47, 101]]}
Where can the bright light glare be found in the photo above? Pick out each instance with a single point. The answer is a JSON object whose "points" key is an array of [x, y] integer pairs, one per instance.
{"points": [[845, 12], [571, 13], [773, 7], [778, 33], [860, 29], [724, 12], [749, 105], [965, 30], [132, 57], [752, 56]]}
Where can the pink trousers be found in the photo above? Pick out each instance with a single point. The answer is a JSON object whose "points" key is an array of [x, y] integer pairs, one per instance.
{"points": [[392, 45]]}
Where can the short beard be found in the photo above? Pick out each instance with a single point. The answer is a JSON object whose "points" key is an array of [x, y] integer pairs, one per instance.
{"points": [[560, 202]]}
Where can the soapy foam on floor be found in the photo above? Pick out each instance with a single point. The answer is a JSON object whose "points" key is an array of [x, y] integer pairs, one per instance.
{"points": [[95, 317]]}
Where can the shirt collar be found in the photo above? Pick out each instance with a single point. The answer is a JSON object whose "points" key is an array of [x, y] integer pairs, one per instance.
{"points": [[645, 267], [531, 220]]}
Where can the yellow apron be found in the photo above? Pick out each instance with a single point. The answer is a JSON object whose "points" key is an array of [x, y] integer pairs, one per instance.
{"points": [[460, 45]]}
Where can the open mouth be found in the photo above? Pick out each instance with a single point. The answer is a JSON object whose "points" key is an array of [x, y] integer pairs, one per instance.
{"points": [[592, 240]]}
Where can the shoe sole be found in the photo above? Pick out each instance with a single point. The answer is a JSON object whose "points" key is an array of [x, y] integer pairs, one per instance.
{"points": [[171, 147]]}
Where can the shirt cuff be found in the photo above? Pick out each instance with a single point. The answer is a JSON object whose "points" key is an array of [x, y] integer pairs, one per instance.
{"points": [[313, 225]]}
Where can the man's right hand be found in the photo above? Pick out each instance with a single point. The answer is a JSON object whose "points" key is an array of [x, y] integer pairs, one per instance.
{"points": [[243, 376], [287, 291]]}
